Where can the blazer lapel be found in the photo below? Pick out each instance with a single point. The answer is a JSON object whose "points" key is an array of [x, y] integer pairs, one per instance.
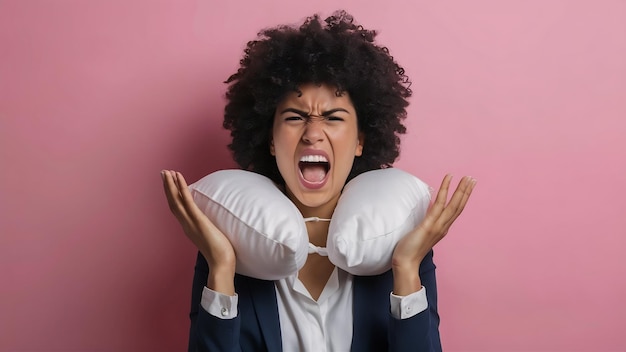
{"points": [[266, 308], [370, 312]]}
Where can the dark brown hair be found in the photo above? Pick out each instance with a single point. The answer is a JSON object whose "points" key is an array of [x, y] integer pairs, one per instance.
{"points": [[336, 52]]}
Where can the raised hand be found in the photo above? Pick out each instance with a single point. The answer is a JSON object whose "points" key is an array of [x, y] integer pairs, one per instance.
{"points": [[416, 244], [211, 242]]}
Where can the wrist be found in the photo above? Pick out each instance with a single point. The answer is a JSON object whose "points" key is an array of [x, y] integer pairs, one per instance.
{"points": [[406, 278], [406, 262], [222, 280], [406, 281]]}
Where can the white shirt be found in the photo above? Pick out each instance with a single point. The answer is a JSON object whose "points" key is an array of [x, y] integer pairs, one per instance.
{"points": [[309, 325]]}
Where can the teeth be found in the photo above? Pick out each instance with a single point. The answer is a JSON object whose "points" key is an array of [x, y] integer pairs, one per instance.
{"points": [[314, 159]]}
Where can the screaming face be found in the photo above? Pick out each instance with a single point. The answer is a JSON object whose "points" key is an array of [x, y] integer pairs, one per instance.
{"points": [[315, 138]]}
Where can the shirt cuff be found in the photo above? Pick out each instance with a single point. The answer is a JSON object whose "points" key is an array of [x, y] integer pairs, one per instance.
{"points": [[404, 307], [219, 305]]}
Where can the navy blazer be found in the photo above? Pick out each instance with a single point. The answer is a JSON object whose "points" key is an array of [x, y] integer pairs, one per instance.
{"points": [[257, 326]]}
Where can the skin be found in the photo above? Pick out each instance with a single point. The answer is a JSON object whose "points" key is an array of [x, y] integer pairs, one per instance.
{"points": [[303, 124], [315, 121]]}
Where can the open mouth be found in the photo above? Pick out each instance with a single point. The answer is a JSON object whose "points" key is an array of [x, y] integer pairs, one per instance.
{"points": [[314, 168]]}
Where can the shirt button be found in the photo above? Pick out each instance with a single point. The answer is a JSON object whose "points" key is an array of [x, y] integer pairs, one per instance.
{"points": [[224, 312]]}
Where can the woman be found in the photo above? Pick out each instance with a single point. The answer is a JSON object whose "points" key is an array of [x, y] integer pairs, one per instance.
{"points": [[311, 108]]}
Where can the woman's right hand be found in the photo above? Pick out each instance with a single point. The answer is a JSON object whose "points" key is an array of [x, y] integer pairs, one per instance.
{"points": [[211, 242]]}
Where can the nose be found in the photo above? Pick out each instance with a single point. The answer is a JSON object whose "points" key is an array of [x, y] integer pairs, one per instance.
{"points": [[314, 130]]}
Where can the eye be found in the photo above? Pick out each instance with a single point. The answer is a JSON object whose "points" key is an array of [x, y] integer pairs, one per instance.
{"points": [[293, 118], [334, 118]]}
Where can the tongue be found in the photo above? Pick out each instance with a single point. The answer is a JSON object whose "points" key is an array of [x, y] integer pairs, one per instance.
{"points": [[314, 173]]}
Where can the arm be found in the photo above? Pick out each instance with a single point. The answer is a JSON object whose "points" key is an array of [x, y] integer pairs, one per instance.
{"points": [[420, 332], [413, 268], [209, 331], [216, 252], [210, 241], [417, 244]]}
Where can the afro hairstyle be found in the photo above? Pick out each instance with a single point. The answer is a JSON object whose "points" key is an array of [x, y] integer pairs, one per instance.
{"points": [[336, 52]]}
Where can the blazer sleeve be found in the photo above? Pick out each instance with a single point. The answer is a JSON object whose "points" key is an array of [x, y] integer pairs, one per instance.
{"points": [[209, 333], [420, 332]]}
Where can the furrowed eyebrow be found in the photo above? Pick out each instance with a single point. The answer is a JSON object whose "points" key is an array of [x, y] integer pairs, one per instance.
{"points": [[332, 111], [306, 114], [299, 112]]}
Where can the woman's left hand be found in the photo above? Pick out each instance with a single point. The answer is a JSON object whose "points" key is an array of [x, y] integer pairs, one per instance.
{"points": [[413, 247]]}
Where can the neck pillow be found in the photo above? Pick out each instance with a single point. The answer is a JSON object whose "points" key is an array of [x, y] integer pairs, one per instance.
{"points": [[268, 233]]}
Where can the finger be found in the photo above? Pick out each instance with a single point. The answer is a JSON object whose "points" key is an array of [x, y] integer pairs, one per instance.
{"points": [[453, 205], [442, 196], [187, 199], [176, 180], [465, 193], [174, 198], [183, 188], [458, 201], [170, 188]]}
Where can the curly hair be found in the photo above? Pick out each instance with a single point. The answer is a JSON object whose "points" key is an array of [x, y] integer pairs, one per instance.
{"points": [[336, 52]]}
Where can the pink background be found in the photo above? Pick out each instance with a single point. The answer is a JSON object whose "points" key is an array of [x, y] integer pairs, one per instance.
{"points": [[96, 97]]}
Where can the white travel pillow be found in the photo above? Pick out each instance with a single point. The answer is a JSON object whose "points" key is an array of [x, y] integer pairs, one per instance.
{"points": [[376, 209], [269, 233], [266, 230]]}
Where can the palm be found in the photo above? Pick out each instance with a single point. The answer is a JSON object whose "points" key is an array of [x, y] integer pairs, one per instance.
{"points": [[440, 216], [211, 242]]}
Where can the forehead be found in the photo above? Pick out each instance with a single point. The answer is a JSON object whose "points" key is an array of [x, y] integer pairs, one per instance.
{"points": [[313, 95]]}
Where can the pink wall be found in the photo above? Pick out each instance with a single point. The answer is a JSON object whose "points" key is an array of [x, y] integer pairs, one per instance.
{"points": [[97, 96]]}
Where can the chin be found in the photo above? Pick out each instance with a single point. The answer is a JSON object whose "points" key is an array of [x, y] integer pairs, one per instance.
{"points": [[314, 201], [312, 198]]}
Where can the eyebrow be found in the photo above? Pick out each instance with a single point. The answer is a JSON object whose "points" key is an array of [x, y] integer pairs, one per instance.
{"points": [[306, 114]]}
